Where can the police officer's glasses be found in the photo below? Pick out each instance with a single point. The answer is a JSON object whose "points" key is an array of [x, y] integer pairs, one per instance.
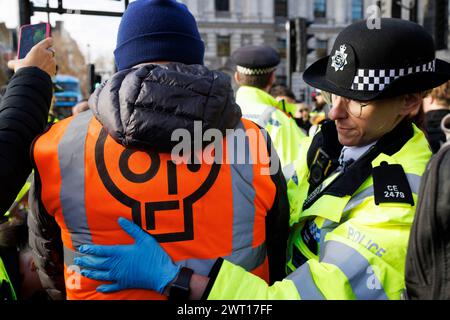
{"points": [[355, 108]]}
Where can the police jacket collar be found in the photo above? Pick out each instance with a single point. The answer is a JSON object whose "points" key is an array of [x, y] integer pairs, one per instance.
{"points": [[355, 175], [256, 95]]}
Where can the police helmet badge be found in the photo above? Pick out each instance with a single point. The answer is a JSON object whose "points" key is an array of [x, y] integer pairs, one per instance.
{"points": [[340, 59]]}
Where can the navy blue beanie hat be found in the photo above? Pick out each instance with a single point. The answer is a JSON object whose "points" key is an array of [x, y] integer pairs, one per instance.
{"points": [[158, 30]]}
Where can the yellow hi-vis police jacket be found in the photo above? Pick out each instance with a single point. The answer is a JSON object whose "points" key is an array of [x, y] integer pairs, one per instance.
{"points": [[260, 107], [361, 245]]}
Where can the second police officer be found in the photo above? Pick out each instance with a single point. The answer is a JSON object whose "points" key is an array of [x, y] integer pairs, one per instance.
{"points": [[255, 74]]}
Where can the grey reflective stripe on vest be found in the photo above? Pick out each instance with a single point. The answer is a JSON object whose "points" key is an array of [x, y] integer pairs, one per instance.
{"points": [[70, 255], [249, 258], [304, 282], [71, 156], [243, 195], [364, 282], [244, 210], [413, 180]]}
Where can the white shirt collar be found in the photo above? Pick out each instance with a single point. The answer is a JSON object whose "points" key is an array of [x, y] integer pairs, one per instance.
{"points": [[354, 153]]}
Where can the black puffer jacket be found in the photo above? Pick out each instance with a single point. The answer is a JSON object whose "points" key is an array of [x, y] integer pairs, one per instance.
{"points": [[142, 107], [23, 115]]}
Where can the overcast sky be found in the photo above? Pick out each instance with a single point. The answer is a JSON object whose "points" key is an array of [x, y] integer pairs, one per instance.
{"points": [[97, 32]]}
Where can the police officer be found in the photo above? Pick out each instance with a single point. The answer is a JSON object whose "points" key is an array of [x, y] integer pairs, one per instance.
{"points": [[255, 74], [359, 178], [121, 161]]}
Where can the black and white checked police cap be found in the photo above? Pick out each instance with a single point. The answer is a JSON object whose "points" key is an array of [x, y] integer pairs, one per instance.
{"points": [[256, 60], [368, 64], [377, 80]]}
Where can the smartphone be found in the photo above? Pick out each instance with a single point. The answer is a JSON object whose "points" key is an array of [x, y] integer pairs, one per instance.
{"points": [[30, 35]]}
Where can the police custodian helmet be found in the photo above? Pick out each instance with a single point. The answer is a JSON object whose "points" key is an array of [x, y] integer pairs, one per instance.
{"points": [[368, 64]]}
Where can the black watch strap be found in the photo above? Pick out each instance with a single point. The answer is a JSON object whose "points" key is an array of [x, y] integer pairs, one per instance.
{"points": [[179, 289]]}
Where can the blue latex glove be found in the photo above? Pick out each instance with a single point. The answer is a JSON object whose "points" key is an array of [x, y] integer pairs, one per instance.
{"points": [[142, 265]]}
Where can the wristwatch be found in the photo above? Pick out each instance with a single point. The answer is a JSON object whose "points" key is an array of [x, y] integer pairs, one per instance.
{"points": [[179, 289]]}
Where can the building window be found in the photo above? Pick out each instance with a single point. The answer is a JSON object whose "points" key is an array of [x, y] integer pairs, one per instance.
{"points": [[281, 8], [223, 46], [246, 40], [320, 8], [321, 48], [223, 5], [282, 47], [357, 10]]}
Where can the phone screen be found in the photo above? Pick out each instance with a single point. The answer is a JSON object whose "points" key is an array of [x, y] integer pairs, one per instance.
{"points": [[30, 35]]}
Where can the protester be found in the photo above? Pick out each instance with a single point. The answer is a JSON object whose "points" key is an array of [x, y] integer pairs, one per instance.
{"points": [[116, 162], [436, 106], [23, 115], [352, 234]]}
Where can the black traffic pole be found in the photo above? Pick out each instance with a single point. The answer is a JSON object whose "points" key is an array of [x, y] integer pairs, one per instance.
{"points": [[25, 12]]}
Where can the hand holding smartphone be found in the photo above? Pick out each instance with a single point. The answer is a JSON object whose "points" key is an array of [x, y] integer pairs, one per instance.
{"points": [[32, 54], [30, 35]]}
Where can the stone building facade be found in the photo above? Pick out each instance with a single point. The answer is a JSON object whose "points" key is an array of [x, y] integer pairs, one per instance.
{"points": [[227, 25]]}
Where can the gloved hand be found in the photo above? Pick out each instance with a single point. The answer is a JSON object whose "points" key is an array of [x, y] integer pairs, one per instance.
{"points": [[142, 265]]}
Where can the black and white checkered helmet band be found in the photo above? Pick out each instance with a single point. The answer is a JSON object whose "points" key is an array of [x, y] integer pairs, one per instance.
{"points": [[254, 72], [377, 80]]}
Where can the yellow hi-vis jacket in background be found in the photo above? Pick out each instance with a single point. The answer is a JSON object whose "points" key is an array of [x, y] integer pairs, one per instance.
{"points": [[260, 107], [287, 138], [360, 246]]}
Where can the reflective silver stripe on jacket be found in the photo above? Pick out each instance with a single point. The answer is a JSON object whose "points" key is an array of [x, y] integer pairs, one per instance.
{"points": [[327, 227], [413, 180], [248, 258], [71, 153], [289, 171], [261, 118], [304, 282], [364, 282], [71, 156]]}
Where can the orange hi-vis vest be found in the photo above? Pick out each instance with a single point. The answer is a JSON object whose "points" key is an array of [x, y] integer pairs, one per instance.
{"points": [[197, 212]]}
